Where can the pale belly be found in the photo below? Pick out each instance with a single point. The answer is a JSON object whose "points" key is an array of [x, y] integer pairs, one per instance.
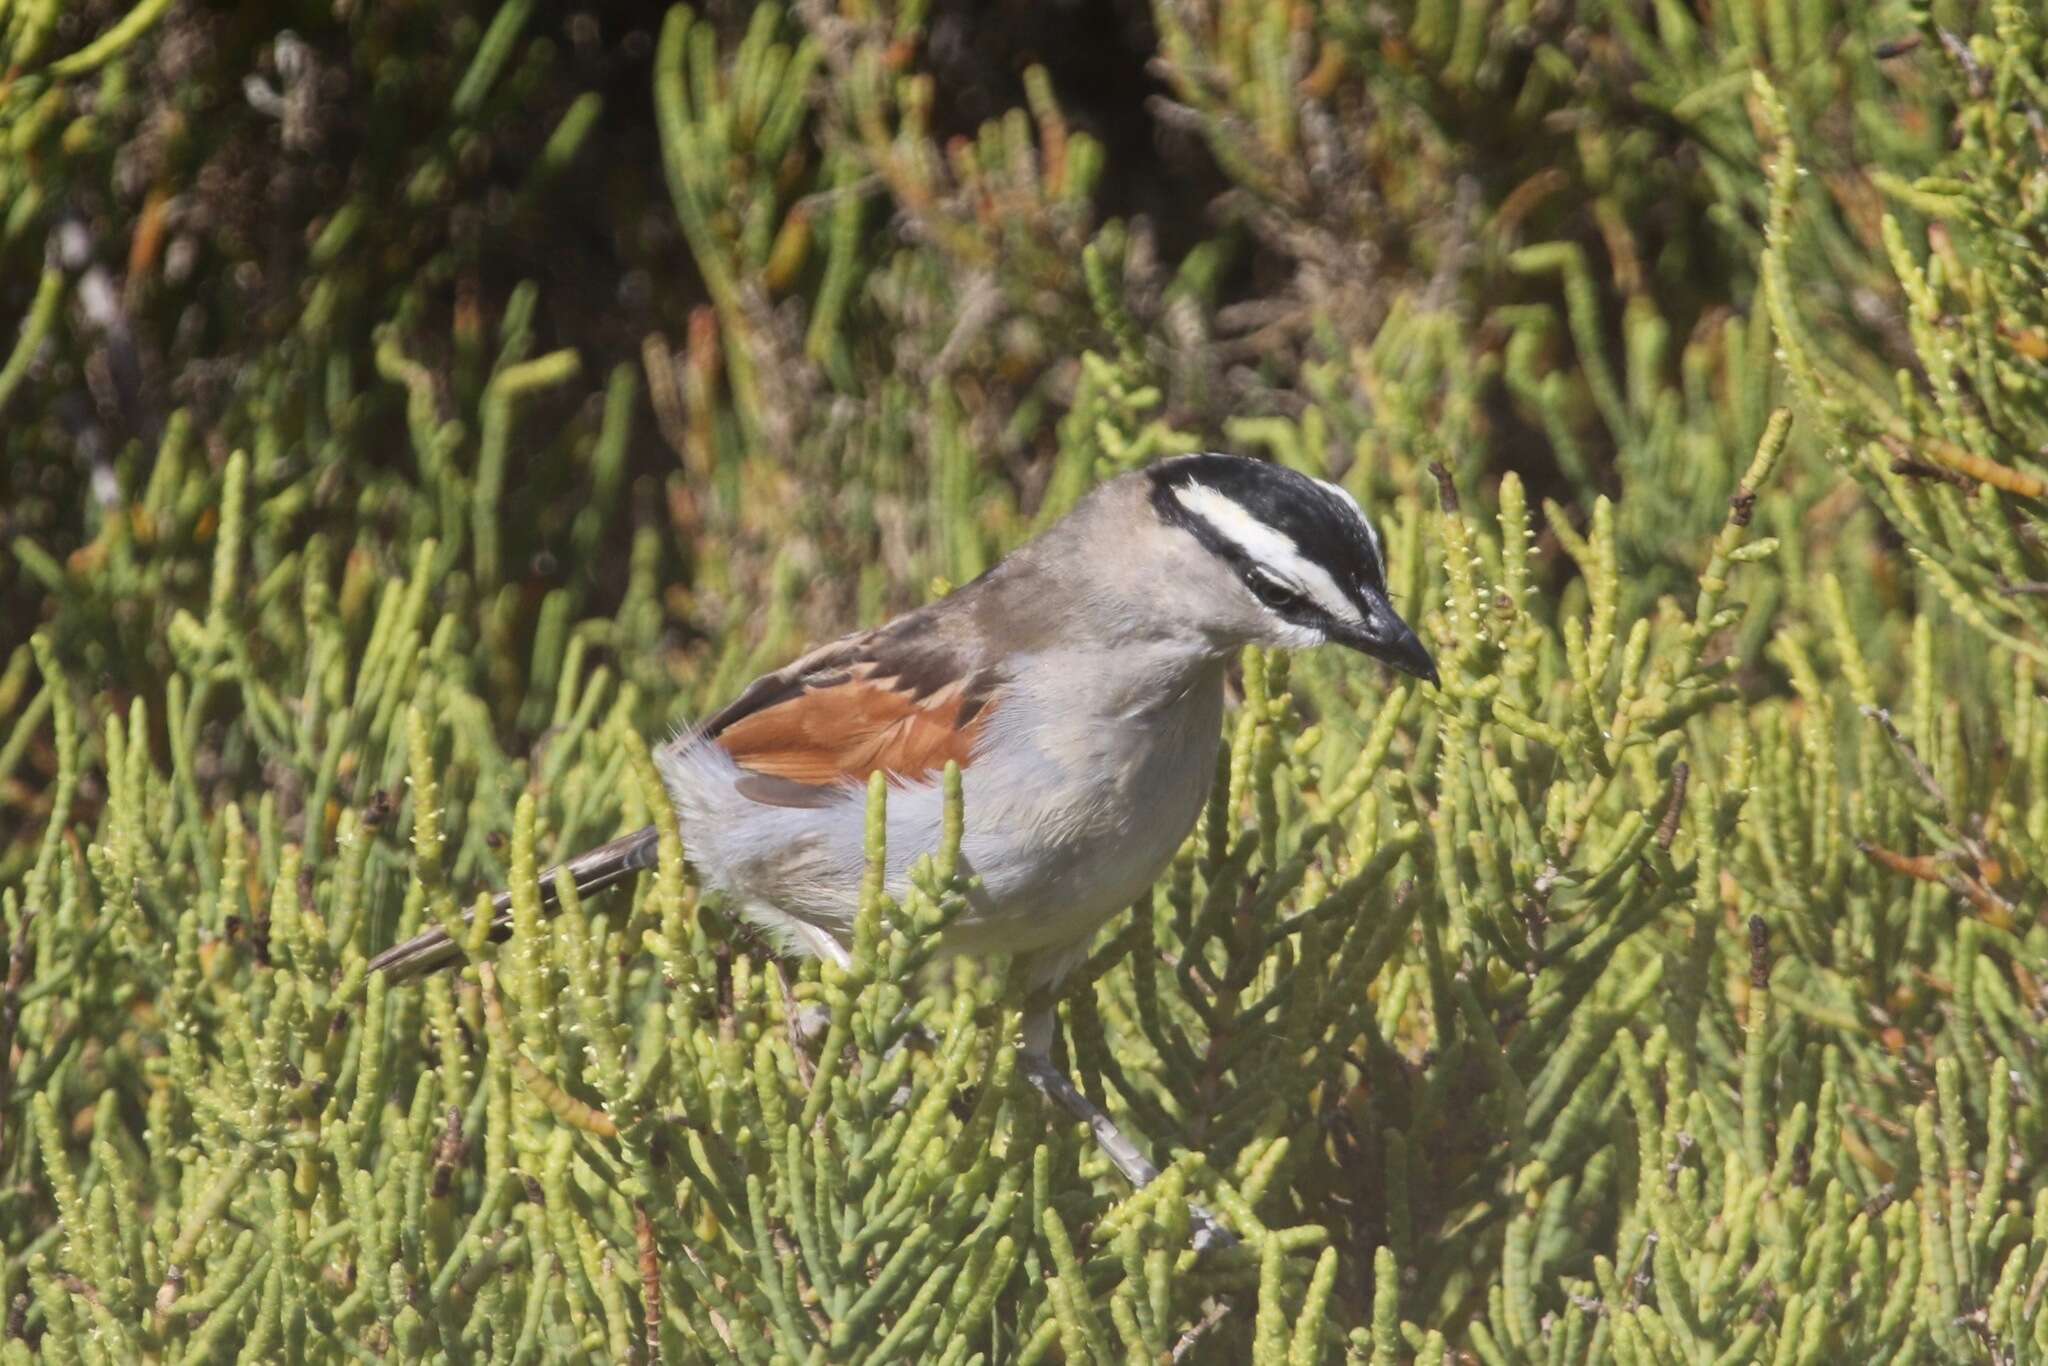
{"points": [[1055, 871], [1064, 830]]}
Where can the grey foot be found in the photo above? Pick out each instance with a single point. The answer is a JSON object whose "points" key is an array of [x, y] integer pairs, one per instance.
{"points": [[1115, 1145]]}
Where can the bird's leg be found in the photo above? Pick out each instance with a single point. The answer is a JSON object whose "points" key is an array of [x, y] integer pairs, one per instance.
{"points": [[1124, 1154], [1036, 1060]]}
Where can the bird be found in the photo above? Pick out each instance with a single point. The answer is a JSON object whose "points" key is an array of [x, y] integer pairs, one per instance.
{"points": [[1079, 686]]}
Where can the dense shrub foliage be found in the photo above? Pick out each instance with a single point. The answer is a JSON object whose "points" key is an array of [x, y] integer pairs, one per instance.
{"points": [[416, 409]]}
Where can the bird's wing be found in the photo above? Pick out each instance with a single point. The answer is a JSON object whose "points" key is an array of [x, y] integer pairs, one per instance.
{"points": [[892, 701]]}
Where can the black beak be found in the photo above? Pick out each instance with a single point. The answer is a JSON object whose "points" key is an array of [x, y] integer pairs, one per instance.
{"points": [[1387, 638]]}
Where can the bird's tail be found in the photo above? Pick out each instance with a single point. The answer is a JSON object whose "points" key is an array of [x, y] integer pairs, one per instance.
{"points": [[591, 871]]}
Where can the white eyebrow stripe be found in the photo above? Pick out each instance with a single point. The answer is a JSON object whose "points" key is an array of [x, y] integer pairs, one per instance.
{"points": [[1266, 547], [1372, 532]]}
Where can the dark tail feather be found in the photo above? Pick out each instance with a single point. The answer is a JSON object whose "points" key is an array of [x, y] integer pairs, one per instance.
{"points": [[592, 871]]}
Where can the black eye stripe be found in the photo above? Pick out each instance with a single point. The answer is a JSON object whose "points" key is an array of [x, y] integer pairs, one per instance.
{"points": [[1273, 592]]}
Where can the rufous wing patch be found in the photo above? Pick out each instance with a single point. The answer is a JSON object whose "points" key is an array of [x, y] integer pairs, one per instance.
{"points": [[845, 728]]}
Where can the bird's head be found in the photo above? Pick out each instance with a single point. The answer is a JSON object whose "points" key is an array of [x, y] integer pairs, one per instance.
{"points": [[1295, 560]]}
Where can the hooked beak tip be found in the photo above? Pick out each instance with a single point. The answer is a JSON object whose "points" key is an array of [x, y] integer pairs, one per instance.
{"points": [[1416, 665], [1394, 643]]}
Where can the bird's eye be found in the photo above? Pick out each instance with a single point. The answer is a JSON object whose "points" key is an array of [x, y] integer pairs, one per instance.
{"points": [[1271, 591]]}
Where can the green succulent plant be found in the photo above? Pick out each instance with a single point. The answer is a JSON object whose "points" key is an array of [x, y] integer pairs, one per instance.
{"points": [[415, 411]]}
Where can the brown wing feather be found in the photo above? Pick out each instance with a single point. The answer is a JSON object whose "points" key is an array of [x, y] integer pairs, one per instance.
{"points": [[847, 727], [895, 700]]}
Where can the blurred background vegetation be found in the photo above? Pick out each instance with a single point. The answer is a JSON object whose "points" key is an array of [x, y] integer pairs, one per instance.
{"points": [[416, 408]]}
